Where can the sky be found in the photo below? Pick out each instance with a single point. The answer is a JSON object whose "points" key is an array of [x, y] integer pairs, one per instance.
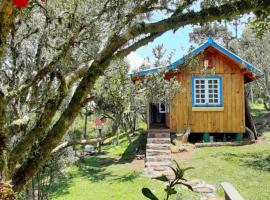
{"points": [[178, 41]]}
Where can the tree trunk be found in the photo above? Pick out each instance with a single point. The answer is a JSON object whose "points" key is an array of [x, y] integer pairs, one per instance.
{"points": [[128, 137], [58, 130], [249, 120], [33, 189], [7, 16], [85, 124], [117, 137], [3, 139], [115, 47], [124, 125]]}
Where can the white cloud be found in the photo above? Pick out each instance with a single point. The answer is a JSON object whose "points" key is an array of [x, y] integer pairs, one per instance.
{"points": [[134, 60]]}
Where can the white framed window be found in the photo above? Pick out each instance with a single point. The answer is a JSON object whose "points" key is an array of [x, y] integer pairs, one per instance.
{"points": [[163, 107], [206, 91]]}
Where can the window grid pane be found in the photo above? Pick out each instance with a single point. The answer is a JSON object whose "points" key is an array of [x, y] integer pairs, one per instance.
{"points": [[206, 91]]}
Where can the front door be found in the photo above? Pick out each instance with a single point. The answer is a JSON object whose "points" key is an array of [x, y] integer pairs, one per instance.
{"points": [[157, 115]]}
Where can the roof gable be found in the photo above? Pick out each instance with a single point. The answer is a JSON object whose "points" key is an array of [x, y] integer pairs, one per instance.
{"points": [[210, 42]]}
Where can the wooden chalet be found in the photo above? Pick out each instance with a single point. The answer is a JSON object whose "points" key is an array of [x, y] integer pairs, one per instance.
{"points": [[212, 96]]}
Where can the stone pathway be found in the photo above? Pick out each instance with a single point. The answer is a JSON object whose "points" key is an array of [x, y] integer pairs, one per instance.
{"points": [[158, 154], [207, 191]]}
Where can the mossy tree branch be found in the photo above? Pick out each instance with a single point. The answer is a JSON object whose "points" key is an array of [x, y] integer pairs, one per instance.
{"points": [[102, 60], [7, 16], [76, 142], [3, 138]]}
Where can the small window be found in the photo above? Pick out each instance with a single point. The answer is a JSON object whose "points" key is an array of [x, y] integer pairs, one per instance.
{"points": [[207, 91], [163, 107]]}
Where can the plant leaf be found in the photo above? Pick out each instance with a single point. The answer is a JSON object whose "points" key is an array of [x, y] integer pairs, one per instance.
{"points": [[187, 185], [188, 168], [147, 193], [162, 178], [178, 167], [170, 190], [174, 171]]}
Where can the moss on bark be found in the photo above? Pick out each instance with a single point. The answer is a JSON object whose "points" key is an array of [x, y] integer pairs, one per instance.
{"points": [[3, 139], [7, 16]]}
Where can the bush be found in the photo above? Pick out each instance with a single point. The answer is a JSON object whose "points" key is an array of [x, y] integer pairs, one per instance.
{"points": [[6, 192], [259, 101]]}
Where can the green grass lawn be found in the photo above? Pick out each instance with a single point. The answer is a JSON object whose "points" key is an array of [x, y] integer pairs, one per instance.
{"points": [[99, 178], [246, 167], [109, 176], [106, 177]]}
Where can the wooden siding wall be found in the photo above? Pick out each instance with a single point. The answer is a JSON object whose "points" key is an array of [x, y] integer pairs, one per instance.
{"points": [[231, 120]]}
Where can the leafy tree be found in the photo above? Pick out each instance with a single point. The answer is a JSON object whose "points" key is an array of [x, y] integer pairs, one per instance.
{"points": [[256, 51], [115, 98], [124, 102], [261, 24], [55, 53], [214, 30]]}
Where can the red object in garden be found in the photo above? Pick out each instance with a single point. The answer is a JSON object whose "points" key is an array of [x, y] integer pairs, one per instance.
{"points": [[20, 3], [98, 122]]}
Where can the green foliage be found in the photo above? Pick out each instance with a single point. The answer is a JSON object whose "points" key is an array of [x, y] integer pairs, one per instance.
{"points": [[215, 30], [256, 52], [261, 24], [6, 192], [171, 183], [147, 193]]}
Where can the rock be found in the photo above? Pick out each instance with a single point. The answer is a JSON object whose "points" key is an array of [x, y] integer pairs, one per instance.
{"points": [[183, 149], [194, 182], [174, 149], [204, 188], [215, 198]]}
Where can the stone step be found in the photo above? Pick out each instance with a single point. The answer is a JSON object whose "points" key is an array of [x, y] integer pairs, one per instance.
{"points": [[155, 158], [158, 141], [158, 146], [158, 135], [157, 164], [161, 168], [153, 173], [159, 130], [153, 152]]}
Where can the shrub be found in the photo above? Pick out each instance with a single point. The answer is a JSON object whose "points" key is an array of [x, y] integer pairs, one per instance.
{"points": [[6, 192]]}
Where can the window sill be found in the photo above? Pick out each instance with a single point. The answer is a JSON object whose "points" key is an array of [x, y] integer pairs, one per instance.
{"points": [[208, 109]]}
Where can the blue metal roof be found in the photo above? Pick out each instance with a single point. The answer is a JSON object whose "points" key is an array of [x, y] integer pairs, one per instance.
{"points": [[208, 43]]}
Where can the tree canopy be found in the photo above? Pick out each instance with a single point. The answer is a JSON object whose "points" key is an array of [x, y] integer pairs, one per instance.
{"points": [[52, 54]]}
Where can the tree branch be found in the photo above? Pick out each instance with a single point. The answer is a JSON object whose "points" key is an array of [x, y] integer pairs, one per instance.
{"points": [[3, 138], [43, 72], [25, 144], [77, 74], [98, 66], [76, 142], [7, 15]]}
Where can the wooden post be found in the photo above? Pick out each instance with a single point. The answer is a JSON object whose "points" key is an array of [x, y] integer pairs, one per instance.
{"points": [[99, 144]]}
